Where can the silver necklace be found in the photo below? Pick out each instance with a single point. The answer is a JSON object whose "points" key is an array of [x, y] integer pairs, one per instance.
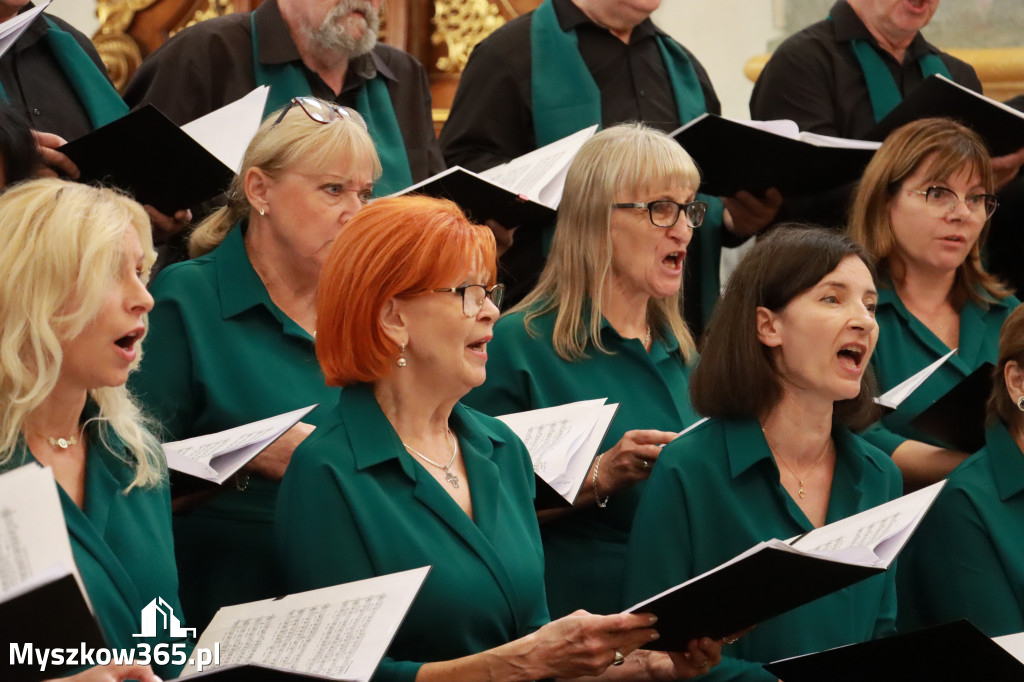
{"points": [[452, 479], [647, 338]]}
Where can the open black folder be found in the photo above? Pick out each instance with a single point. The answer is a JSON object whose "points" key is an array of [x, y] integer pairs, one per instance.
{"points": [[951, 652], [1001, 126], [145, 154], [957, 419], [776, 576], [734, 156], [52, 614]]}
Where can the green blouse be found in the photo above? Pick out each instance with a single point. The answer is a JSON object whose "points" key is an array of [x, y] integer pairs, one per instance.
{"points": [[906, 346], [219, 354], [966, 560], [714, 494], [354, 504], [585, 550], [122, 545]]}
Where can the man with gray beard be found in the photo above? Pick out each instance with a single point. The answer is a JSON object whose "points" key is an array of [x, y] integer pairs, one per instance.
{"points": [[325, 48]]}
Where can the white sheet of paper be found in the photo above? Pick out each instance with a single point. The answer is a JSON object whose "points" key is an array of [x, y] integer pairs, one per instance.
{"points": [[34, 542], [563, 439], [897, 394], [226, 132], [829, 141], [540, 174], [216, 456], [12, 29], [338, 632], [1013, 643]]}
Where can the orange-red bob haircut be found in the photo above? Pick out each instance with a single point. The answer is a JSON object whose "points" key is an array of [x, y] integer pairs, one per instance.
{"points": [[392, 248]]}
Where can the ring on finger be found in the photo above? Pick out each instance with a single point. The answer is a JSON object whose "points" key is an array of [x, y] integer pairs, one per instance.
{"points": [[619, 658], [730, 640], [703, 665], [645, 465]]}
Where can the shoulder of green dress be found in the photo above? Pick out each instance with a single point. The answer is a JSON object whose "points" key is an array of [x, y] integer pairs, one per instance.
{"points": [[697, 437]]}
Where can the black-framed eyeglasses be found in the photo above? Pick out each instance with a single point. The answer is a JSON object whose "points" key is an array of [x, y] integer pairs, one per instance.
{"points": [[474, 295], [317, 109], [665, 213], [942, 201]]}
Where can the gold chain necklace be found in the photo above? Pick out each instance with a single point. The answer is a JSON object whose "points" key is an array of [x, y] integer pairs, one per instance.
{"points": [[452, 479], [824, 450]]}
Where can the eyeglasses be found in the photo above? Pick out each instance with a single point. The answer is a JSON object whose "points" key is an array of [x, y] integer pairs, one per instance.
{"points": [[665, 213], [317, 109], [942, 201], [474, 295]]}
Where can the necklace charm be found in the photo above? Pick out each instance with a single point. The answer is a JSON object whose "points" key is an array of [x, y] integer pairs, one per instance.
{"points": [[802, 493], [451, 478], [63, 443]]}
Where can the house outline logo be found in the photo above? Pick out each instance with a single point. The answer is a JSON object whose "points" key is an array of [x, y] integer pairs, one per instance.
{"points": [[169, 621]]}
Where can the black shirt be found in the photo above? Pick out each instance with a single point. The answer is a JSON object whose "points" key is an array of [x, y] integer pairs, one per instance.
{"points": [[814, 78], [37, 87], [210, 64], [491, 120]]}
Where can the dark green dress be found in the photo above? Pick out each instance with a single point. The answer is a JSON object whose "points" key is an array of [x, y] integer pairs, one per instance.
{"points": [[354, 504], [966, 560], [716, 493], [906, 346], [219, 354], [122, 546], [585, 551]]}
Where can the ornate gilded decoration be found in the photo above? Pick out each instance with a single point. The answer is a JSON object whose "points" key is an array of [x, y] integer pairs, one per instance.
{"points": [[119, 52], [460, 25], [214, 8]]}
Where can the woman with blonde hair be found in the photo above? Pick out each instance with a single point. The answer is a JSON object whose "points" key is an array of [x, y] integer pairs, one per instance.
{"points": [[400, 475], [922, 210], [606, 321], [233, 333], [74, 261]]}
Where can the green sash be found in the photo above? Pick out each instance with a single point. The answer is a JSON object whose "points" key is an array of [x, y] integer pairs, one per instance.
{"points": [[99, 98], [372, 102], [566, 99], [882, 88]]}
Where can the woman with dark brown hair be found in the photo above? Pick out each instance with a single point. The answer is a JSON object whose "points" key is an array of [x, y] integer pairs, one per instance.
{"points": [[922, 211], [783, 379], [966, 560]]}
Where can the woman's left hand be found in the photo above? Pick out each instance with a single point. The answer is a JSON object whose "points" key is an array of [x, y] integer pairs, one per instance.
{"points": [[701, 655]]}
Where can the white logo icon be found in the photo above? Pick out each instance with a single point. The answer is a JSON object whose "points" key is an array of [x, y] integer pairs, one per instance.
{"points": [[169, 621]]}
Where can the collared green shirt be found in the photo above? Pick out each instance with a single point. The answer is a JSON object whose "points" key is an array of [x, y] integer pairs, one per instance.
{"points": [[966, 560], [354, 504], [219, 354], [906, 346], [715, 493], [585, 550], [122, 546]]}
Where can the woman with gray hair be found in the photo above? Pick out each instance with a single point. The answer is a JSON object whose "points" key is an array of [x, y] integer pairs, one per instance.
{"points": [[605, 321], [74, 262], [234, 328]]}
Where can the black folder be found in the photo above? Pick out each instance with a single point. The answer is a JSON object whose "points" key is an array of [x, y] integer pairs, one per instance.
{"points": [[145, 154], [733, 157], [54, 615], [1002, 127], [952, 652], [483, 200], [251, 672], [957, 419]]}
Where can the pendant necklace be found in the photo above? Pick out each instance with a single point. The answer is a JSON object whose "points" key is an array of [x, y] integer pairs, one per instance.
{"points": [[452, 479], [800, 479]]}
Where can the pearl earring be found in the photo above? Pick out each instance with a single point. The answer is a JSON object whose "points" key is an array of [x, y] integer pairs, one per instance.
{"points": [[402, 362], [262, 212]]}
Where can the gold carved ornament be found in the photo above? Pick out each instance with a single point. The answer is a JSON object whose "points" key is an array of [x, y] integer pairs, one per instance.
{"points": [[460, 25]]}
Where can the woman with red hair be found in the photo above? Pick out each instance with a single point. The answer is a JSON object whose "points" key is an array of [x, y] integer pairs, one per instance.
{"points": [[400, 475]]}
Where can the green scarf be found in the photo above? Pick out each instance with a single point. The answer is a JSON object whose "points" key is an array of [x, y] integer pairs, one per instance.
{"points": [[99, 98], [372, 102], [566, 99], [882, 88]]}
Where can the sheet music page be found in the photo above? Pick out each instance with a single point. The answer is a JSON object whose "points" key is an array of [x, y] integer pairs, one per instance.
{"points": [[819, 140], [1013, 643], [34, 542], [875, 536], [554, 435], [339, 632], [236, 446], [897, 394], [226, 132], [782, 126], [12, 29], [540, 174], [568, 483]]}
